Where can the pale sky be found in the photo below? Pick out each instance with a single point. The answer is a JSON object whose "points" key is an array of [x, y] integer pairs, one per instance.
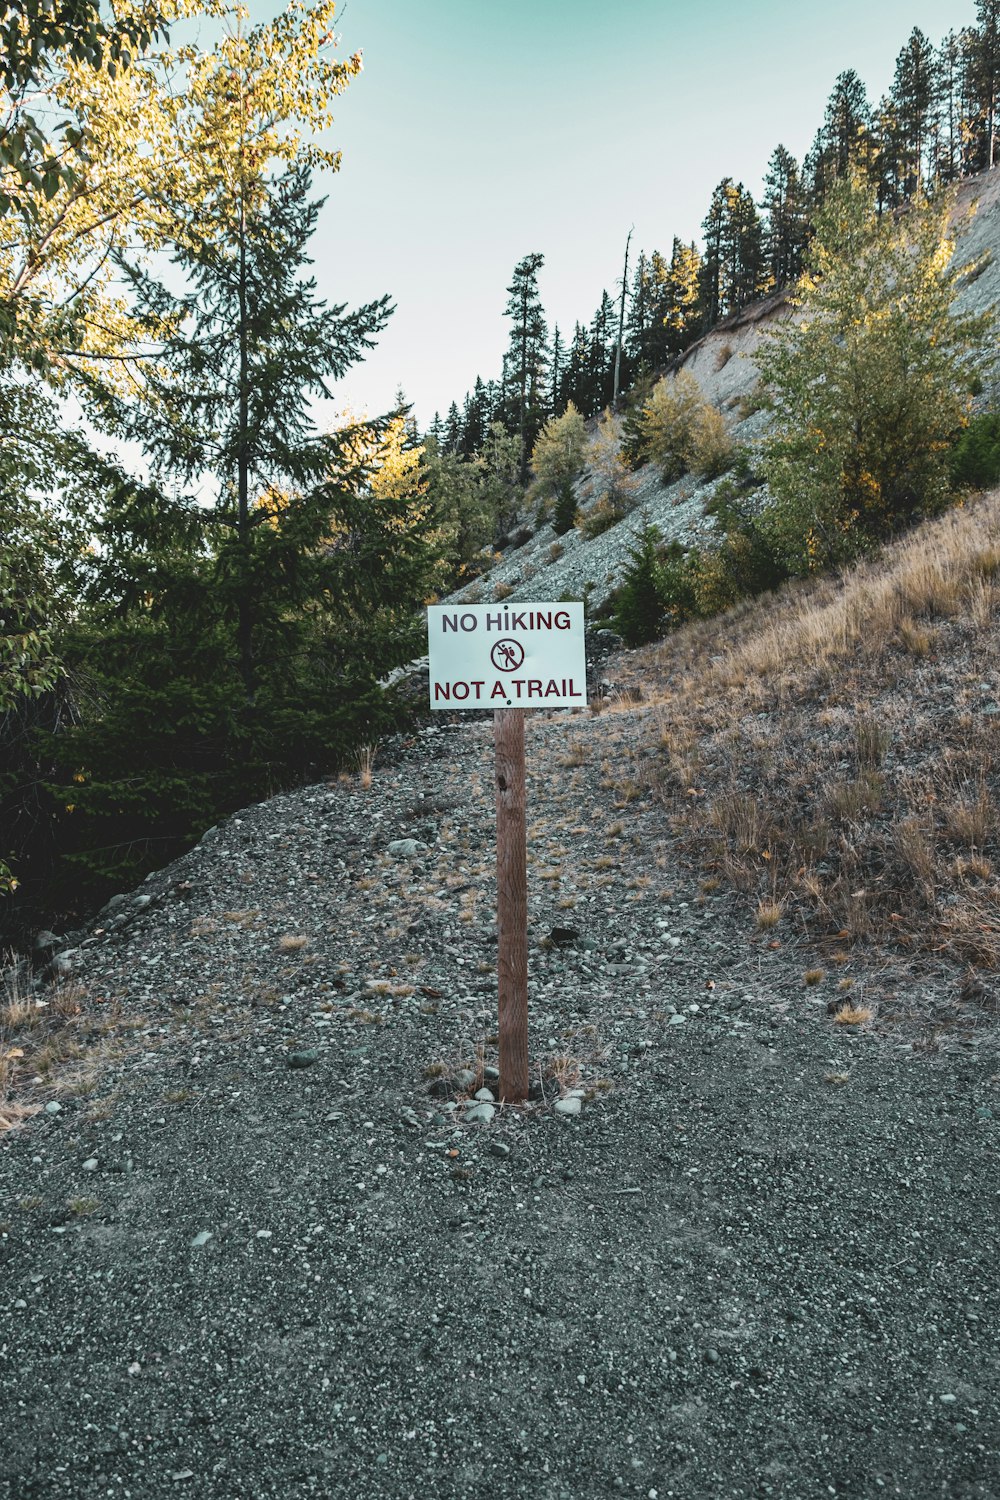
{"points": [[481, 131]]}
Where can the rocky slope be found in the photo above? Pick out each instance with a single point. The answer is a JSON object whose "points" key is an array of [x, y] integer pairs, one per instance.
{"points": [[722, 363]]}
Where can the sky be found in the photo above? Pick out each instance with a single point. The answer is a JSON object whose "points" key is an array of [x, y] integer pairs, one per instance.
{"points": [[482, 131]]}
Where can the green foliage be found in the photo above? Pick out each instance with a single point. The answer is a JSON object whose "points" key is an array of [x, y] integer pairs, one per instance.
{"points": [[604, 514], [38, 39], [711, 445], [974, 461], [564, 511], [679, 430], [462, 503], [557, 456], [657, 592], [639, 613], [867, 381]]}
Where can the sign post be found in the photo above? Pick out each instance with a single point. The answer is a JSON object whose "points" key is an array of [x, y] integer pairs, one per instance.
{"points": [[509, 658]]}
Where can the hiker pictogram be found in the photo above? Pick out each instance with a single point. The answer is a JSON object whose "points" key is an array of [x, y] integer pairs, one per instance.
{"points": [[507, 656]]}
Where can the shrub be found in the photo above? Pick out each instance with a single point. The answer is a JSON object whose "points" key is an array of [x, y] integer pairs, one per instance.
{"points": [[669, 422], [657, 592], [606, 513], [712, 449], [974, 461], [564, 510], [639, 617]]}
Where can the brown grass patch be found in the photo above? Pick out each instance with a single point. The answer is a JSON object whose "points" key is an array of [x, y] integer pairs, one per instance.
{"points": [[814, 745]]}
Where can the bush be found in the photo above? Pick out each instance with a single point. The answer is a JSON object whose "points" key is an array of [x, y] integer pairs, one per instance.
{"points": [[680, 430], [974, 461], [712, 448], [564, 510], [639, 617], [606, 513], [669, 423], [658, 592]]}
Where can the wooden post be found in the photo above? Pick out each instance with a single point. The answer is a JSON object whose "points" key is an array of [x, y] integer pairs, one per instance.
{"points": [[512, 903]]}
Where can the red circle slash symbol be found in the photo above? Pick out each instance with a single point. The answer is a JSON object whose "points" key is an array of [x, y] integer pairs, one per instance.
{"points": [[507, 656]]}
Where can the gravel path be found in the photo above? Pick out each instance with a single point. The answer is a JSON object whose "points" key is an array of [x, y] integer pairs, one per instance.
{"points": [[263, 1251]]}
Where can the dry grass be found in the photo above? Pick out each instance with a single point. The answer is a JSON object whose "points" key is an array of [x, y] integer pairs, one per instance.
{"points": [[49, 1043], [365, 759], [853, 1015], [834, 751]]}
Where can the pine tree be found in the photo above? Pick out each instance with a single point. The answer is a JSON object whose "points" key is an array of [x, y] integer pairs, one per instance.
{"points": [[714, 229], [987, 75], [847, 123], [453, 429], [948, 162], [679, 307], [786, 229], [914, 101], [526, 358], [601, 358], [555, 402]]}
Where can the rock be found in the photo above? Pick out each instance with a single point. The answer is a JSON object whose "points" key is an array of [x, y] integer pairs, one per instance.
{"points": [[486, 1095], [201, 1238], [571, 1105], [677, 1020], [500, 1148], [303, 1059], [480, 1114], [90, 1165], [405, 848], [53, 1107], [464, 1078], [492, 1075], [63, 963], [45, 943], [563, 937]]}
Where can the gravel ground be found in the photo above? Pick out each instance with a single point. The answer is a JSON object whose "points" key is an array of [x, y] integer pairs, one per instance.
{"points": [[263, 1249]]}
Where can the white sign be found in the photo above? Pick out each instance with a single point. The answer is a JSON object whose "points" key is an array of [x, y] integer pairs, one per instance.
{"points": [[507, 656]]}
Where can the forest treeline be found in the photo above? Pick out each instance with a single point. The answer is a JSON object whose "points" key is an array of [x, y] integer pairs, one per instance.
{"points": [[936, 124], [184, 635]]}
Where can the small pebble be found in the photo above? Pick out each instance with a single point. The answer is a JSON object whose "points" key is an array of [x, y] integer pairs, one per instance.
{"points": [[568, 1106], [90, 1165]]}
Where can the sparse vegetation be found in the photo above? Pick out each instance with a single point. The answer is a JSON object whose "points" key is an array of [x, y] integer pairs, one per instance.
{"points": [[831, 773]]}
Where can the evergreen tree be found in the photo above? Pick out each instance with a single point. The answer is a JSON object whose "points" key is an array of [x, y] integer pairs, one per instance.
{"points": [[526, 359], [914, 101], [601, 355], [948, 160], [250, 344], [640, 617], [576, 382], [453, 429], [639, 315], [846, 123], [714, 229], [986, 63], [679, 306], [786, 229]]}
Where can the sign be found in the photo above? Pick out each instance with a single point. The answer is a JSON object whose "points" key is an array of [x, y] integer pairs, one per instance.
{"points": [[506, 656]]}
